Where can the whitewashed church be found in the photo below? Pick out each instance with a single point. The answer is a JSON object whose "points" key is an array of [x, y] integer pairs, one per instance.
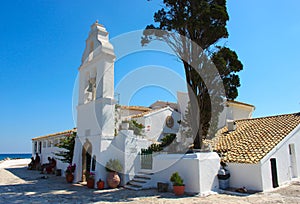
{"points": [[103, 134]]}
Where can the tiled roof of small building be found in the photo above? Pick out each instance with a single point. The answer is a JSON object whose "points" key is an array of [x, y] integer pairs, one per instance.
{"points": [[146, 113], [163, 104], [253, 139], [56, 134], [138, 108]]}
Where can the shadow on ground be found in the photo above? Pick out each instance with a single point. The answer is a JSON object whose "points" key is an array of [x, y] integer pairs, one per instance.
{"points": [[55, 189]]}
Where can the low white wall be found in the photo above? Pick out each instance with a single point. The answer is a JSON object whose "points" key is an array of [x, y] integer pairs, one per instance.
{"points": [[245, 175], [198, 170]]}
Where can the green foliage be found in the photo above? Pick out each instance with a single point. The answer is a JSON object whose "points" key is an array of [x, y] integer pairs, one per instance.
{"points": [[113, 165], [228, 64], [67, 144], [204, 23], [176, 179], [136, 127], [154, 148], [165, 141]]}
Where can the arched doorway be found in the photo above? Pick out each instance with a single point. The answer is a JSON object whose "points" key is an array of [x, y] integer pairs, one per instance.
{"points": [[86, 158]]}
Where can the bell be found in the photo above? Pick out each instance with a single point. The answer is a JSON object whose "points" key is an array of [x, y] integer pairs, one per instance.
{"points": [[90, 88]]}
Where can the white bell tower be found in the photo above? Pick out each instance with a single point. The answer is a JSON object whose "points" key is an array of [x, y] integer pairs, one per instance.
{"points": [[96, 89]]}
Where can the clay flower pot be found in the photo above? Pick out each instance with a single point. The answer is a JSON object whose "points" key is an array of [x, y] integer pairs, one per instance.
{"points": [[100, 185], [178, 190], [90, 183], [113, 179], [69, 178]]}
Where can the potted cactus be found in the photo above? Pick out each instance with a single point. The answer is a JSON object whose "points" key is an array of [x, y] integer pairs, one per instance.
{"points": [[178, 185]]}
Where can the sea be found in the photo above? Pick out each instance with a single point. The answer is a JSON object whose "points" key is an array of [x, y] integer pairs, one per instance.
{"points": [[15, 156]]}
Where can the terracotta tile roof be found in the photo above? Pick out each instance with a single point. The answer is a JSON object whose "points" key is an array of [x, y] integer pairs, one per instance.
{"points": [[138, 108], [254, 138], [163, 104], [55, 134], [145, 113]]}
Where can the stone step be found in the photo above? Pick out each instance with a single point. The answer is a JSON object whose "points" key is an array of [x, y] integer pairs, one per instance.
{"points": [[135, 183], [140, 180], [133, 187], [142, 177], [145, 173]]}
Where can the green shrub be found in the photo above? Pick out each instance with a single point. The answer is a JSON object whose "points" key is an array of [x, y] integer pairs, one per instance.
{"points": [[67, 145], [167, 140], [136, 127], [114, 165], [176, 179]]}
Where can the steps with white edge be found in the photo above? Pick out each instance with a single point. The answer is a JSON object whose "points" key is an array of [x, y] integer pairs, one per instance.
{"points": [[140, 181]]}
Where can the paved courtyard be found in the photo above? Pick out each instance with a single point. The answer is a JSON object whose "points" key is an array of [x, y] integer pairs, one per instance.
{"points": [[19, 185]]}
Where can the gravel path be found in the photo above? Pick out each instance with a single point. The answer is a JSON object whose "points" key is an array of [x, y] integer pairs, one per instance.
{"points": [[19, 185]]}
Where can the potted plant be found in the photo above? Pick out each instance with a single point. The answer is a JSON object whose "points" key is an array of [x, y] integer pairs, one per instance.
{"points": [[100, 184], [90, 179], [69, 173], [113, 166], [178, 185]]}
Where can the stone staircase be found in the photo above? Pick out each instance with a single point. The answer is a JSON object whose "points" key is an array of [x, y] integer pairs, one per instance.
{"points": [[140, 181]]}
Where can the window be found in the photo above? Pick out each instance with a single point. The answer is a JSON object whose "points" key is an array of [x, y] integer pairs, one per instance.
{"points": [[40, 147], [35, 147], [49, 143], [94, 163], [44, 144]]}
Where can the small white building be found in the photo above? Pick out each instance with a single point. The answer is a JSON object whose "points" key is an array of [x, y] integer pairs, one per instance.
{"points": [[261, 153], [46, 146]]}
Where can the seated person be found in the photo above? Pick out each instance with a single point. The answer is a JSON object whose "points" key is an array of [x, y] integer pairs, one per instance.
{"points": [[51, 168], [31, 165], [44, 166]]}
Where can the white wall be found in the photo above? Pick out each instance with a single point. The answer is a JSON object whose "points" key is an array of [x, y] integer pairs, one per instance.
{"points": [[50, 152], [182, 100], [155, 123], [125, 147], [198, 170], [129, 146], [239, 111], [245, 175], [282, 156], [97, 117]]}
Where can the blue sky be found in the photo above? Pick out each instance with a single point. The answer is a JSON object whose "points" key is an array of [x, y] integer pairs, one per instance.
{"points": [[41, 43]]}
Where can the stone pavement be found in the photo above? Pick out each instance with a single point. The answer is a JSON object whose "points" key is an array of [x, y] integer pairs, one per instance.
{"points": [[19, 185]]}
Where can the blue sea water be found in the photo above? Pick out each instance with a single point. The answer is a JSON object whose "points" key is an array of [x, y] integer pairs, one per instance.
{"points": [[15, 156]]}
